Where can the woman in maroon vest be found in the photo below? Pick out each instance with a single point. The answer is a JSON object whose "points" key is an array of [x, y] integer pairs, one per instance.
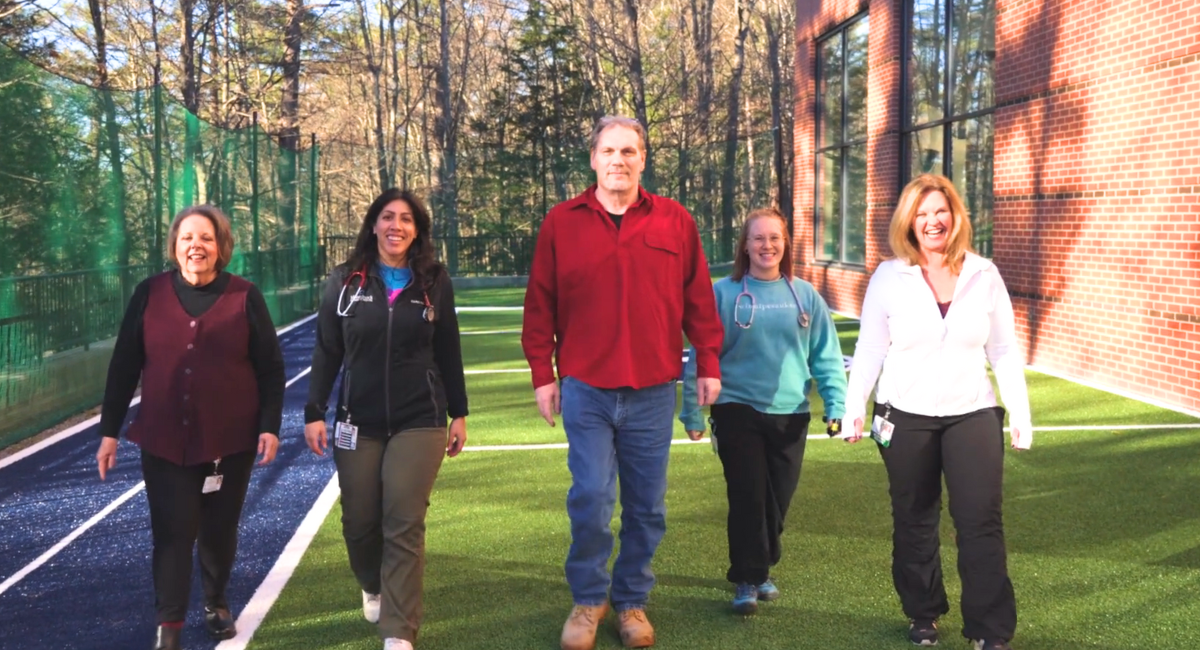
{"points": [[204, 346], [387, 324]]}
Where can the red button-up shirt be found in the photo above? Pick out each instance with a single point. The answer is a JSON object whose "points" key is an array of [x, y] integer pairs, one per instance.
{"points": [[612, 304]]}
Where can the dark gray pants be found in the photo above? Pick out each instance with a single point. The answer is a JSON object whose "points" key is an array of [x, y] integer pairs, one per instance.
{"points": [[385, 494], [969, 451]]}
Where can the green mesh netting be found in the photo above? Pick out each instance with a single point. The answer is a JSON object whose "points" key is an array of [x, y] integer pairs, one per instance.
{"points": [[89, 182]]}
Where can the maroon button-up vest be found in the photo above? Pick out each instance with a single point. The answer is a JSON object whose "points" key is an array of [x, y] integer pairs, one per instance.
{"points": [[199, 390]]}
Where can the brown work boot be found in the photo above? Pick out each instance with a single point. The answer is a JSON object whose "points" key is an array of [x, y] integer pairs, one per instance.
{"points": [[636, 630], [579, 632]]}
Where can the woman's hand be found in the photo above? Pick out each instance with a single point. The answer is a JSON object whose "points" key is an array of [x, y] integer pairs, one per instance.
{"points": [[458, 437], [1021, 439], [856, 432], [695, 435], [315, 436], [106, 456], [268, 444]]}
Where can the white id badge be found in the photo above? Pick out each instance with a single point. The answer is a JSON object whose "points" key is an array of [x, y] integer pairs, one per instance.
{"points": [[345, 436], [211, 484], [881, 431]]}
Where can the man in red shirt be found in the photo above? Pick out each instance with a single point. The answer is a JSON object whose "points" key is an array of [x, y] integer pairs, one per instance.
{"points": [[618, 275]]}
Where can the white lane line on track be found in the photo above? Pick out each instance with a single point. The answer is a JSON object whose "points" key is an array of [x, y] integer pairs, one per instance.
{"points": [[92, 421], [268, 592], [97, 518], [53, 550]]}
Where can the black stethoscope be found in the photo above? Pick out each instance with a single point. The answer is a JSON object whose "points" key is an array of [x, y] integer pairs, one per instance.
{"points": [[802, 319], [343, 308]]}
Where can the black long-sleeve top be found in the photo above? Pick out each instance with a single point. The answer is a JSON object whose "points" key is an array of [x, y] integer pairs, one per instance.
{"points": [[129, 353]]}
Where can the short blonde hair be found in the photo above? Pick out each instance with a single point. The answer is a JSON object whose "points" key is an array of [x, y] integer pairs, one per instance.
{"points": [[900, 234], [220, 224]]}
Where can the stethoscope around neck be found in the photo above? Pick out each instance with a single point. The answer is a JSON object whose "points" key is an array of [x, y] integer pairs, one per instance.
{"points": [[343, 307], [802, 319]]}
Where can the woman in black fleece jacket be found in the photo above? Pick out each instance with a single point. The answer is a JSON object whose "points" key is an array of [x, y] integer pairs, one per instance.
{"points": [[387, 322]]}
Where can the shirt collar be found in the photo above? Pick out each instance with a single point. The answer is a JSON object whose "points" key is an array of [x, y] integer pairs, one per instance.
{"points": [[972, 264], [588, 199]]}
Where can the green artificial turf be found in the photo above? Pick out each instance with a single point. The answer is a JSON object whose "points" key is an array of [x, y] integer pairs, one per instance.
{"points": [[1103, 536]]}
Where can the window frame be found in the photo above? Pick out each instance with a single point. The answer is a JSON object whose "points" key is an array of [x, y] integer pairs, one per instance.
{"points": [[948, 120], [839, 31]]}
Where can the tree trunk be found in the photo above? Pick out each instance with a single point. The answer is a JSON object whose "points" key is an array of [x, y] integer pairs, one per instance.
{"points": [[637, 77], [118, 224], [684, 169], [728, 169], [376, 69], [289, 131], [445, 132], [702, 40], [783, 185]]}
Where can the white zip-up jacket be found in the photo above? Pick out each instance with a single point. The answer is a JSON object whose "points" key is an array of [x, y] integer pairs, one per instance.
{"points": [[934, 366]]}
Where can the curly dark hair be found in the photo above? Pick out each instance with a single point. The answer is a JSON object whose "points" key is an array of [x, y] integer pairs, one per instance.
{"points": [[422, 257]]}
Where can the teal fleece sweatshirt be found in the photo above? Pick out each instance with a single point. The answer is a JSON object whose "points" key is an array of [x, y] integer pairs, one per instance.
{"points": [[772, 365]]}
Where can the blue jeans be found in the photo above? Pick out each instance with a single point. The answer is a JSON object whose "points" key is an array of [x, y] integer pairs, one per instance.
{"points": [[613, 433]]}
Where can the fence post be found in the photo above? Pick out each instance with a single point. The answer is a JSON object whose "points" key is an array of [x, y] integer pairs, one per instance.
{"points": [[156, 256], [312, 228], [254, 198]]}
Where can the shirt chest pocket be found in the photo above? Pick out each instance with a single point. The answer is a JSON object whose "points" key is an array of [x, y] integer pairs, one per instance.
{"points": [[658, 256]]}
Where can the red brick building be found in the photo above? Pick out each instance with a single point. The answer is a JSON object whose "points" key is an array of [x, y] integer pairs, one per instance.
{"points": [[1072, 129]]}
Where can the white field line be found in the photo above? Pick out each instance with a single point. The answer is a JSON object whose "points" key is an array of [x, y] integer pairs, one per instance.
{"points": [[268, 592], [485, 309], [477, 333], [92, 421], [97, 518], [821, 436], [53, 550]]}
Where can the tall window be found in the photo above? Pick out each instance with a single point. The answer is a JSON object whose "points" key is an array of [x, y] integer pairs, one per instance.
{"points": [[948, 130], [841, 162]]}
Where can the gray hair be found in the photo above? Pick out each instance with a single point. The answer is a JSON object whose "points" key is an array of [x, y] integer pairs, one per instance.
{"points": [[604, 123]]}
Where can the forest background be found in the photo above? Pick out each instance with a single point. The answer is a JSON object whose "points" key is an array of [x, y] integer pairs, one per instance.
{"points": [[482, 106]]}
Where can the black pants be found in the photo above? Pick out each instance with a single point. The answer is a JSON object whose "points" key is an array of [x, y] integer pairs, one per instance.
{"points": [[180, 515], [761, 454], [969, 450]]}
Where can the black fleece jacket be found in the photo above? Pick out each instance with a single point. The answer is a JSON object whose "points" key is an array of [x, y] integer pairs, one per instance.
{"points": [[399, 371]]}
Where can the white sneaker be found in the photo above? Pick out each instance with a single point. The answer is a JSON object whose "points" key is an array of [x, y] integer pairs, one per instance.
{"points": [[396, 644], [371, 607]]}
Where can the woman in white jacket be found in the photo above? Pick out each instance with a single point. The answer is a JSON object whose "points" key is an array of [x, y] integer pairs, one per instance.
{"points": [[930, 318]]}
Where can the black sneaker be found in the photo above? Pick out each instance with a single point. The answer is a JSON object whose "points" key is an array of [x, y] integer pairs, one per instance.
{"points": [[994, 644], [219, 622], [923, 632]]}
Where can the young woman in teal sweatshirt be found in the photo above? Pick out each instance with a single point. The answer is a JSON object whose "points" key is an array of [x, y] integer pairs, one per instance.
{"points": [[779, 341]]}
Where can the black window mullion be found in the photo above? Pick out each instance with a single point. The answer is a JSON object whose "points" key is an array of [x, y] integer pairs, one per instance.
{"points": [[841, 253], [948, 94]]}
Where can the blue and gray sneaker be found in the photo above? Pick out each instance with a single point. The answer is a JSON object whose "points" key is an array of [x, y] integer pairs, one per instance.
{"points": [[767, 591], [745, 600], [923, 631]]}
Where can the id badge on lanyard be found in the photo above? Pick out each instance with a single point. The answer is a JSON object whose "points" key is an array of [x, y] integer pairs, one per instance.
{"points": [[345, 436], [213, 483], [882, 428]]}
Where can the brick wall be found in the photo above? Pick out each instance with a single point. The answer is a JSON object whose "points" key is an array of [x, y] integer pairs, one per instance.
{"points": [[1097, 181]]}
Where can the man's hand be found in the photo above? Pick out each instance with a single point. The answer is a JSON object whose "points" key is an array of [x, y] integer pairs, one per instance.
{"points": [[707, 389], [549, 401]]}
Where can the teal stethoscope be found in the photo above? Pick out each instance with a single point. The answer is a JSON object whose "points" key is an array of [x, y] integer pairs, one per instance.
{"points": [[802, 319]]}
